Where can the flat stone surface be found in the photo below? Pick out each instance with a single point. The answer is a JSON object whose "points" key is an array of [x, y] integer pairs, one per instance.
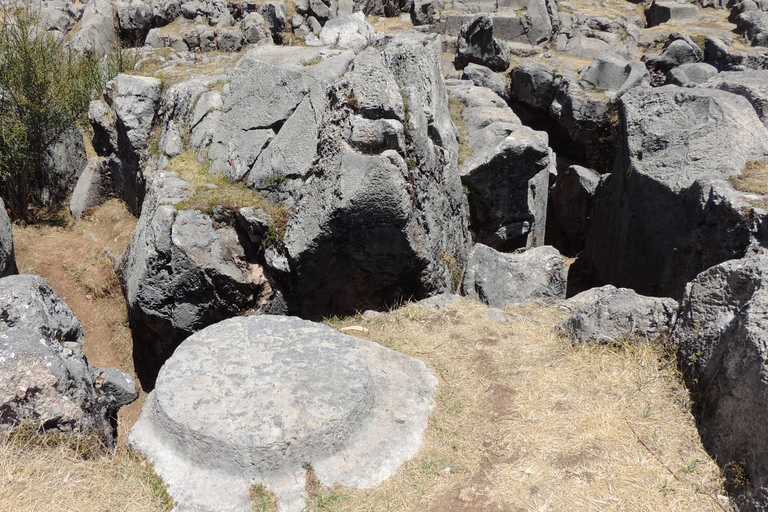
{"points": [[257, 399]]}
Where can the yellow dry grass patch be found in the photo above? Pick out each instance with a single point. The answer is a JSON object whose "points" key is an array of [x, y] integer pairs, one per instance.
{"points": [[39, 478], [526, 421], [393, 25], [754, 179]]}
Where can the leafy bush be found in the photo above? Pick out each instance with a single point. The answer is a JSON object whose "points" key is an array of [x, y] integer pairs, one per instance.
{"points": [[45, 89]]}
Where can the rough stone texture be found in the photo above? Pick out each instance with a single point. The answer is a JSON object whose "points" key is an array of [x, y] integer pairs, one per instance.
{"points": [[299, 393], [63, 162], [135, 100], [727, 58], [350, 32], [255, 29], [533, 83], [754, 25], [28, 302], [671, 12], [613, 315], [97, 33], [94, 187], [44, 377], [380, 227], [482, 76], [507, 174], [175, 108], [425, 12], [571, 200], [611, 72], [500, 279], [7, 256], [679, 49], [721, 334], [180, 274], [752, 84], [134, 19], [477, 44], [691, 74], [667, 212]]}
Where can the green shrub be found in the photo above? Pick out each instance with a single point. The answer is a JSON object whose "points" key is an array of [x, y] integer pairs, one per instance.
{"points": [[44, 90]]}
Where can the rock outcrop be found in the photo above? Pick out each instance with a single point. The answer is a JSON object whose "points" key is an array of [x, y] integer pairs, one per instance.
{"points": [[45, 380], [301, 395], [478, 45], [7, 254], [500, 279], [507, 172], [617, 315], [667, 211], [721, 335]]}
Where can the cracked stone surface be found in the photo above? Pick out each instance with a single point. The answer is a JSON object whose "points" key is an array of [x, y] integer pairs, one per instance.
{"points": [[257, 399]]}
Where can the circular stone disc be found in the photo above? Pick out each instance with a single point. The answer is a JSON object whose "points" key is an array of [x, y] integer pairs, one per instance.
{"points": [[262, 391]]}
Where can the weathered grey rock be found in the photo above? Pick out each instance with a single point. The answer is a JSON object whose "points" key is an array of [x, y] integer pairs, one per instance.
{"points": [[691, 74], [612, 72], [97, 33], [134, 100], [721, 335], [255, 29], [94, 187], [230, 40], [174, 112], [666, 212], [477, 44], [180, 274], [28, 302], [425, 12], [262, 96], [351, 32], [198, 41], [440, 301], [165, 11], [205, 119], [678, 50], [533, 84], [48, 387], [7, 255], [352, 410], [62, 164], [752, 84], [482, 76], [538, 20], [754, 25], [500, 279], [255, 222], [104, 126], [664, 11], [275, 15], [571, 200], [393, 225], [616, 315], [134, 19], [55, 20], [323, 10]]}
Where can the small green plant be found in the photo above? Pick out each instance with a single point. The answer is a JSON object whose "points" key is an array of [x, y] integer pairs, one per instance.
{"points": [[275, 180], [263, 499], [736, 476], [411, 162], [465, 189]]}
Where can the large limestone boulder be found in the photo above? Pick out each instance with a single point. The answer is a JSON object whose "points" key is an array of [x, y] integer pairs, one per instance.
{"points": [[260, 399], [63, 163], [389, 219], [122, 132], [500, 279], [616, 315], [752, 84], [667, 212], [571, 201], [97, 34], [7, 255], [45, 380], [477, 44], [721, 334], [507, 173], [181, 273]]}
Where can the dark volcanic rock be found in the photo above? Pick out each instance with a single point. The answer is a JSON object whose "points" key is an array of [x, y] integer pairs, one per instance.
{"points": [[667, 212]]}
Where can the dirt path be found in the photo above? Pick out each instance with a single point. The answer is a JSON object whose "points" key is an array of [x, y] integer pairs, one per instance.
{"points": [[73, 260]]}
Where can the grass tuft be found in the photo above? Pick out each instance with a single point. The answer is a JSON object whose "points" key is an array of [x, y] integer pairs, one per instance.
{"points": [[754, 179], [456, 108]]}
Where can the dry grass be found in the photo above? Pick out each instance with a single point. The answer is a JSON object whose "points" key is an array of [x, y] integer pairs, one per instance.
{"points": [[525, 421], [754, 179], [44, 474], [394, 25], [72, 259], [456, 108], [211, 190]]}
